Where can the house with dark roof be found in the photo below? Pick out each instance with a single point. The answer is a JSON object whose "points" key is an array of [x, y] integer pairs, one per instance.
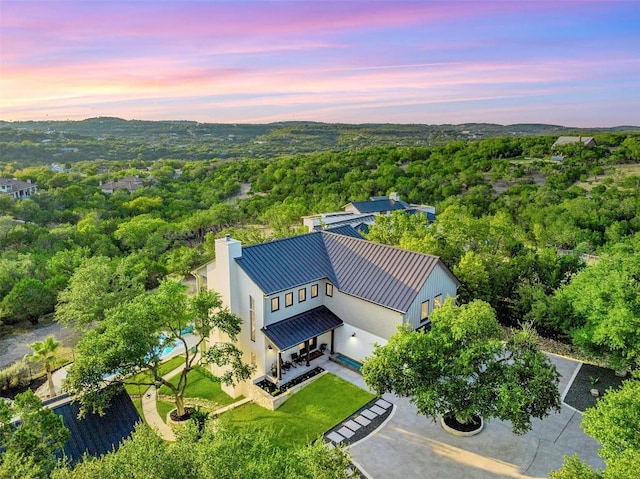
{"points": [[17, 189], [329, 290], [362, 214], [587, 141], [130, 183]]}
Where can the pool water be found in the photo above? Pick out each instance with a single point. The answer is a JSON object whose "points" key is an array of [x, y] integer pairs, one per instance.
{"points": [[347, 360]]}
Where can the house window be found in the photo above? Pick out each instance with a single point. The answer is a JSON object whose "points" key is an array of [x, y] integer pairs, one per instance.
{"points": [[329, 289], [275, 304], [302, 295], [437, 301], [252, 318], [424, 310], [288, 299], [314, 290]]}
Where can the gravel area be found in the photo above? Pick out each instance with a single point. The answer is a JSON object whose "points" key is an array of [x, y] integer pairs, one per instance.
{"points": [[579, 395], [15, 346]]}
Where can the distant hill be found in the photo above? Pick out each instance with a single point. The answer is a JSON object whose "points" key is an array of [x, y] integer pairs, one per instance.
{"points": [[36, 142]]}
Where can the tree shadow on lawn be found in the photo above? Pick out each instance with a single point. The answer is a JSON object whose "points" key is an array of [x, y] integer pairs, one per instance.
{"points": [[579, 395]]}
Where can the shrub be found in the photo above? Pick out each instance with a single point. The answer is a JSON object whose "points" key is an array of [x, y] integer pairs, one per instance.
{"points": [[18, 374]]}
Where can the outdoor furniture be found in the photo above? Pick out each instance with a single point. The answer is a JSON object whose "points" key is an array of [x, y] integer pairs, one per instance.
{"points": [[295, 359], [286, 365]]}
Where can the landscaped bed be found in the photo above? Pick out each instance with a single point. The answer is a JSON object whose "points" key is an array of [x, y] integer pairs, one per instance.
{"points": [[307, 414], [276, 390], [591, 377]]}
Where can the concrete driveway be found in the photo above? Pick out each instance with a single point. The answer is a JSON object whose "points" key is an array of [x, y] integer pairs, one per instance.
{"points": [[410, 445]]}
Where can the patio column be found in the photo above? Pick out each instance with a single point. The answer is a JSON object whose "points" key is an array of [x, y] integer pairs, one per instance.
{"points": [[307, 346], [333, 332], [279, 365]]}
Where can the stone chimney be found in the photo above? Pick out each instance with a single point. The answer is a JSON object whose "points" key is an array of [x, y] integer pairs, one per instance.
{"points": [[394, 196], [225, 276]]}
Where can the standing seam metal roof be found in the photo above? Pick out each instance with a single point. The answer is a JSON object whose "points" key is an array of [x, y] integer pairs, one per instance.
{"points": [[378, 205], [381, 274], [297, 329]]}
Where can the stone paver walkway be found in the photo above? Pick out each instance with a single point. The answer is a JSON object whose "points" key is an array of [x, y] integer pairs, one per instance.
{"points": [[360, 424]]}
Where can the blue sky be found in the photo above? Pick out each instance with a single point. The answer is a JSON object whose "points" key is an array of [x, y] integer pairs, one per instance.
{"points": [[575, 63]]}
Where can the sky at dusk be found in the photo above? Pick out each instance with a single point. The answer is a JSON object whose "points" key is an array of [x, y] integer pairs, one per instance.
{"points": [[573, 63]]}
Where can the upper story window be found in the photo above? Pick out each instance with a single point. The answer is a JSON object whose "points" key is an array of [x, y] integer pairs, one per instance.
{"points": [[314, 290], [424, 310], [302, 295], [275, 304], [288, 299], [252, 318], [437, 301], [329, 289]]}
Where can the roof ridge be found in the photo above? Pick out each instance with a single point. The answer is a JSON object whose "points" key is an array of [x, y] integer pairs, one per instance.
{"points": [[280, 240], [388, 246]]}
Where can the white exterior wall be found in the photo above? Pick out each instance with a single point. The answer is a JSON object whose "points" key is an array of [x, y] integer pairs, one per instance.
{"points": [[371, 323], [439, 282], [296, 308]]}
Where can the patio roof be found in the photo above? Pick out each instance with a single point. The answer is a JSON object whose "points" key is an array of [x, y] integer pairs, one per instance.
{"points": [[297, 329]]}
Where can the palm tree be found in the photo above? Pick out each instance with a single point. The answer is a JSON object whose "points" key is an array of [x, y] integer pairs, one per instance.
{"points": [[45, 352]]}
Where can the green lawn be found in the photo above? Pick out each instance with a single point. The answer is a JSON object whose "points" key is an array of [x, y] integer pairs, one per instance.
{"points": [[202, 384], [164, 408], [145, 376], [307, 414]]}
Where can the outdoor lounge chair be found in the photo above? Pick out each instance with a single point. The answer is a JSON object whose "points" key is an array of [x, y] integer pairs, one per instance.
{"points": [[296, 358]]}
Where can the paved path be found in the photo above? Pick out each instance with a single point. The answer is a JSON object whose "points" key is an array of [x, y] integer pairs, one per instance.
{"points": [[150, 410], [410, 445]]}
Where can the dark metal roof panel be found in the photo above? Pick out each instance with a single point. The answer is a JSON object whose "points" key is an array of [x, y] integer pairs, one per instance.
{"points": [[297, 329], [287, 263], [376, 206], [97, 435], [382, 274]]}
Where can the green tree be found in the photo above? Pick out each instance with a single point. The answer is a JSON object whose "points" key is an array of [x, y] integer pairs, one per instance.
{"points": [[128, 340], [29, 445], [221, 452], [606, 298], [464, 367], [99, 283], [28, 299], [45, 352], [613, 422]]}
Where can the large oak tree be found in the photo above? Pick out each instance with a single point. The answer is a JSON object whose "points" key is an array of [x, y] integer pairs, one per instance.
{"points": [[466, 367], [127, 341]]}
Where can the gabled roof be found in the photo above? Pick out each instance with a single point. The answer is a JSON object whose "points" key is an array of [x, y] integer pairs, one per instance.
{"points": [[381, 274], [566, 140]]}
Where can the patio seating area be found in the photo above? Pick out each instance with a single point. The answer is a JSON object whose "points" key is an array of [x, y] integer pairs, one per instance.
{"points": [[294, 365]]}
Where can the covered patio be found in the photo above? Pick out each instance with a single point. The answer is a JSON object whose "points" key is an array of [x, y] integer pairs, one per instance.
{"points": [[298, 342]]}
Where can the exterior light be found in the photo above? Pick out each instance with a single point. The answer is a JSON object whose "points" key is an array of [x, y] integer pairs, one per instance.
{"points": [[353, 335], [269, 347]]}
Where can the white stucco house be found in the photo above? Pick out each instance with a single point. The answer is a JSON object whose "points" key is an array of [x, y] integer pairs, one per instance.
{"points": [[328, 291]]}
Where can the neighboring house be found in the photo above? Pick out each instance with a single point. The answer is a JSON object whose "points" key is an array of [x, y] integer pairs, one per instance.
{"points": [[17, 189], [326, 289], [130, 183], [55, 167], [362, 214], [587, 141]]}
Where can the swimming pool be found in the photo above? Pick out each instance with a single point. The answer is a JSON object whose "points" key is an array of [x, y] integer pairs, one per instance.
{"points": [[347, 361]]}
